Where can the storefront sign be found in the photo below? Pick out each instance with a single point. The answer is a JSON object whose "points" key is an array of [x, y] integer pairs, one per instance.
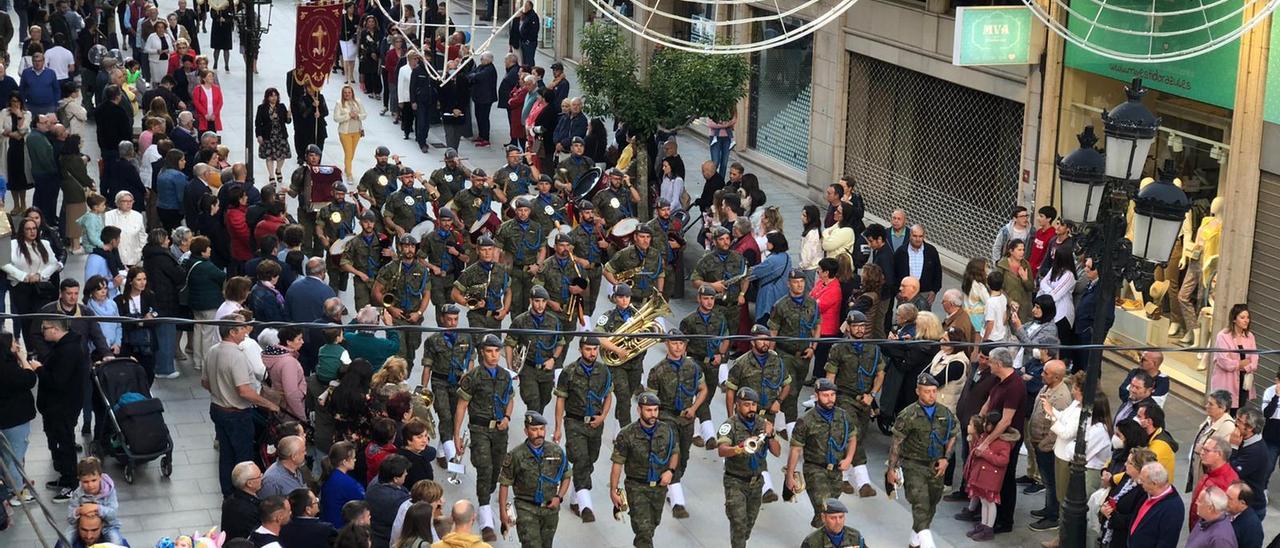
{"points": [[1271, 100], [998, 35], [1208, 78], [702, 29]]}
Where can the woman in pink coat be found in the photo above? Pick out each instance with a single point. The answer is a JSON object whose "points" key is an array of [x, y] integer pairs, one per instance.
{"points": [[207, 98], [285, 372], [1233, 371]]}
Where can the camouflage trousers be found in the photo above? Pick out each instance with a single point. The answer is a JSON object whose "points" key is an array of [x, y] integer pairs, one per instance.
{"points": [[684, 439], [441, 293], [862, 423], [521, 285], [798, 369], [626, 382], [535, 387], [821, 484], [646, 510], [923, 490], [444, 398], [483, 319], [710, 375], [362, 293], [409, 341], [536, 525], [488, 447], [742, 506], [582, 443]]}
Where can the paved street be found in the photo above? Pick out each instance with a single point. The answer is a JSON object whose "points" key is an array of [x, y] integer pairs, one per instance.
{"points": [[153, 507]]}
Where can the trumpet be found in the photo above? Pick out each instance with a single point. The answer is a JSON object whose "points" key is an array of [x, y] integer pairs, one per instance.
{"points": [[453, 477], [646, 320], [797, 484], [388, 300], [621, 511], [425, 397], [753, 443]]}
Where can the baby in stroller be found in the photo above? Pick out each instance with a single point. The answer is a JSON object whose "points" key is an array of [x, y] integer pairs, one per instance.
{"points": [[96, 495]]}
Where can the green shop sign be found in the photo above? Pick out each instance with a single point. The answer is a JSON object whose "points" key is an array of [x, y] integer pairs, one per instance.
{"points": [[1208, 78], [1271, 98], [998, 35]]}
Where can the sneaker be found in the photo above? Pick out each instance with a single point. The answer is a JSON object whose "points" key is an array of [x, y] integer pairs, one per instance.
{"points": [[866, 491], [1039, 513], [679, 512], [968, 515], [23, 496], [588, 516], [1001, 529], [170, 376], [52, 485], [769, 496], [955, 496], [1023, 480], [1044, 524], [984, 535], [63, 495], [1033, 489]]}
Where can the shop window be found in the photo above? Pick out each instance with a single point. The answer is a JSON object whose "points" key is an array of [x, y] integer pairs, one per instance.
{"points": [[781, 94]]}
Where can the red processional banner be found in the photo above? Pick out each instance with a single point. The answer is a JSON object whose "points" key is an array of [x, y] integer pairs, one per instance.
{"points": [[316, 43]]}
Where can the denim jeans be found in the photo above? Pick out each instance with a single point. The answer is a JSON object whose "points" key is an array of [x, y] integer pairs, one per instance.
{"points": [[720, 153], [234, 430], [17, 438], [166, 347], [1045, 463], [422, 124]]}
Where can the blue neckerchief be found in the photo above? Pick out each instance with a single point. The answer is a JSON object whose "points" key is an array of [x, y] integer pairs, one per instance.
{"points": [[825, 414], [722, 255], [446, 260], [798, 300], [857, 347], [655, 461], [866, 377], [493, 373], [625, 313], [754, 459], [712, 344], [938, 444], [834, 449], [527, 245], [930, 410], [487, 267], [593, 398], [344, 229], [409, 292], [543, 479], [765, 383], [524, 225], [450, 337], [499, 400], [564, 278], [649, 431], [458, 367], [544, 346], [370, 263], [537, 451], [683, 391], [836, 539]]}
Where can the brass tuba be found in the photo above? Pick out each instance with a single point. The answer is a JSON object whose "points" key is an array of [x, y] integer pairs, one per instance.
{"points": [[424, 396], [627, 277], [646, 320]]}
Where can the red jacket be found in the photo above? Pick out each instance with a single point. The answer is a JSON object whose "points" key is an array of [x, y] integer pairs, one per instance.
{"points": [[374, 455], [515, 105], [985, 471], [1221, 477], [391, 64], [203, 108], [238, 229], [1040, 247], [829, 298], [267, 226]]}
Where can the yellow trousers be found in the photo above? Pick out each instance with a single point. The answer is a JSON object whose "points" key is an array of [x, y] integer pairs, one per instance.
{"points": [[349, 142]]}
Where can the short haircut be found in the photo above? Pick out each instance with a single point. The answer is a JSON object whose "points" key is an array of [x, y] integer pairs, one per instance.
{"points": [[1156, 473], [995, 280], [242, 473], [299, 500], [110, 233], [268, 269], [1220, 444], [331, 335], [1143, 377], [224, 331], [392, 467], [876, 231], [290, 446], [1153, 413], [237, 289], [464, 511], [1221, 398], [1003, 355], [413, 429], [1216, 498], [1251, 419], [316, 266], [60, 325], [269, 506], [1049, 212], [88, 466], [383, 431], [1017, 210], [352, 510], [426, 490], [1246, 492], [68, 283], [199, 245], [288, 333]]}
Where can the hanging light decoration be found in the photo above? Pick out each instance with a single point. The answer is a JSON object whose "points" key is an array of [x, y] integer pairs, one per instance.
{"points": [[639, 17]]}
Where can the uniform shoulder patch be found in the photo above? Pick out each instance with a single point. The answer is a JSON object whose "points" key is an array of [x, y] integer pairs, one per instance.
{"points": [[602, 320], [725, 429]]}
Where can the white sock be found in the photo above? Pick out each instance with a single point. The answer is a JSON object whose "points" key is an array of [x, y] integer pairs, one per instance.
{"points": [[584, 499], [926, 539], [767, 484], [708, 430], [450, 450], [915, 538], [790, 426], [860, 475], [676, 494], [486, 517]]}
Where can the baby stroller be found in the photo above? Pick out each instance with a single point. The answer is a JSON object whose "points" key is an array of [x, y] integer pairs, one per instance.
{"points": [[135, 432]]}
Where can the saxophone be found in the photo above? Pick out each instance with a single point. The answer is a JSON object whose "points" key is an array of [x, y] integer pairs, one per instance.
{"points": [[645, 321]]}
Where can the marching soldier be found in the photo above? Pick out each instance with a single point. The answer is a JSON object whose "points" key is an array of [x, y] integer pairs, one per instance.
{"points": [[485, 286], [446, 357], [448, 179], [406, 282], [856, 368], [583, 396], [312, 184], [669, 239], [363, 258], [490, 387], [472, 202], [334, 222], [535, 356], [647, 453], [577, 162], [708, 353], [725, 271], [590, 248], [548, 207], [446, 255], [618, 201], [524, 244], [407, 207], [834, 533], [627, 380], [795, 315], [823, 444], [380, 180], [536, 471], [639, 262], [516, 177], [743, 468], [923, 435], [762, 368], [562, 277], [680, 385]]}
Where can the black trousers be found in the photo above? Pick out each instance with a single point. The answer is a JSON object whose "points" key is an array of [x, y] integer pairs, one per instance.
{"points": [[482, 120], [60, 429], [1008, 494]]}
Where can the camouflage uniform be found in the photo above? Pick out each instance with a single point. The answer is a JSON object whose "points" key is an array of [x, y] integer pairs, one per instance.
{"points": [[789, 319], [373, 184], [407, 207], [495, 281], [522, 183], [521, 242], [409, 285], [535, 381], [364, 253], [626, 381], [488, 393], [849, 537], [767, 378], [548, 220], [663, 232], [586, 246], [715, 266], [575, 165], [335, 231], [434, 248], [448, 181], [651, 268], [300, 186], [922, 441], [584, 391], [448, 355], [469, 204], [644, 457], [702, 351], [742, 481], [534, 478], [556, 276], [605, 201], [855, 365], [825, 442], [676, 384]]}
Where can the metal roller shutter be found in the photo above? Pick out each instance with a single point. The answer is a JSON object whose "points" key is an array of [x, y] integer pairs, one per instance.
{"points": [[1264, 278]]}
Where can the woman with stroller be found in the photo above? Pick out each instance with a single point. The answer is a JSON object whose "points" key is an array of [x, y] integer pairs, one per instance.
{"points": [[136, 301], [97, 298]]}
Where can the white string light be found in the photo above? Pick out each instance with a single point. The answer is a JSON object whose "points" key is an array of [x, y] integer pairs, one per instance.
{"points": [[1087, 41], [443, 77], [653, 11]]}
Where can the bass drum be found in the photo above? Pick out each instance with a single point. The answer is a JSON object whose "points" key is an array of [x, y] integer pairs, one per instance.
{"points": [[588, 184], [620, 235], [562, 229], [487, 224], [421, 230]]}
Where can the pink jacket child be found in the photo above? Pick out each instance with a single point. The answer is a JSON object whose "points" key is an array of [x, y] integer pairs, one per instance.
{"points": [[984, 470]]}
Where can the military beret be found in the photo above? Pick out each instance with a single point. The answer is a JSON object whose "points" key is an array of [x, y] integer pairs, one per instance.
{"points": [[406, 170], [478, 172], [796, 274], [539, 292], [649, 398], [450, 153], [676, 333], [557, 66], [823, 384], [534, 418], [451, 309], [614, 172], [407, 239], [446, 213], [622, 290], [523, 202], [589, 341], [314, 149], [856, 316], [577, 141], [644, 229], [719, 231], [563, 239], [586, 205], [369, 215], [706, 290], [925, 379], [512, 148], [834, 506], [747, 393], [485, 241], [339, 187], [760, 330], [544, 178], [382, 151], [663, 203], [491, 341]]}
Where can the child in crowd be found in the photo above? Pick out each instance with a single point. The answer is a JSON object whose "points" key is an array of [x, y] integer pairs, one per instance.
{"points": [[381, 445], [333, 357], [984, 471], [96, 495], [997, 319], [91, 224]]}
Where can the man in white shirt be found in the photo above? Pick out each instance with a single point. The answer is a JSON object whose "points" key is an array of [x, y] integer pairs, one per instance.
{"points": [[404, 80], [61, 60]]}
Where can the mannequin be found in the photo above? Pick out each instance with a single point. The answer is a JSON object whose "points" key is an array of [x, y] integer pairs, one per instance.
{"points": [[1178, 325], [1196, 258]]}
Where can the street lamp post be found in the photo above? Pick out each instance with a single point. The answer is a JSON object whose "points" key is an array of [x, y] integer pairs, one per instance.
{"points": [[1096, 192], [249, 20]]}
